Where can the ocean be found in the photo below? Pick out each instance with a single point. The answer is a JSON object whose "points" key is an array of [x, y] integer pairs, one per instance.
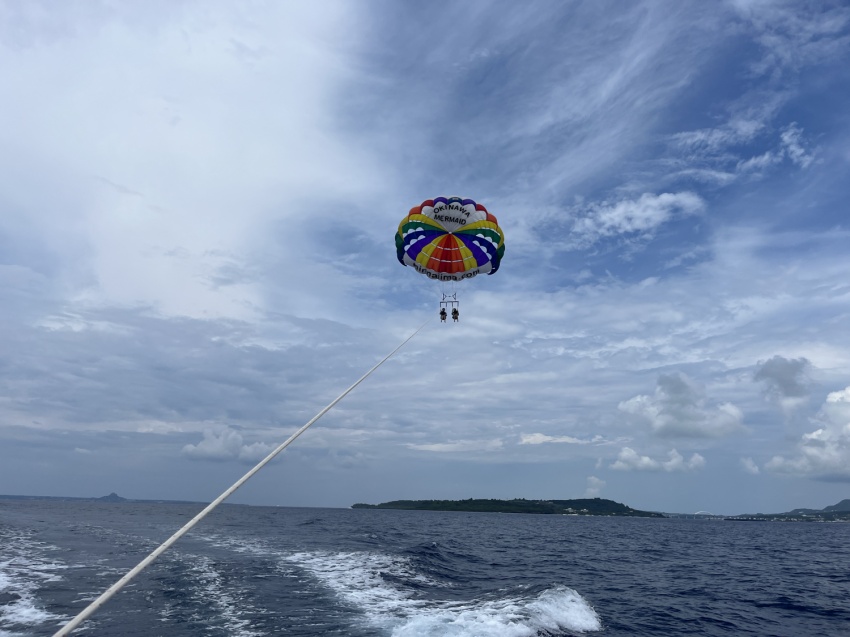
{"points": [[249, 571]]}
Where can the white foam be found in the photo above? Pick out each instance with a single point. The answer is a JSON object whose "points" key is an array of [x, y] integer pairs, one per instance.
{"points": [[238, 544], [375, 584], [24, 567], [212, 592], [357, 578]]}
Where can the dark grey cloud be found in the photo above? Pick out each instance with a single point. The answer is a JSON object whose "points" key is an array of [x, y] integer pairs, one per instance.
{"points": [[783, 377]]}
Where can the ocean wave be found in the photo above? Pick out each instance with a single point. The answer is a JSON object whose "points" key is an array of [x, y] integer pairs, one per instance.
{"points": [[386, 590], [551, 612]]}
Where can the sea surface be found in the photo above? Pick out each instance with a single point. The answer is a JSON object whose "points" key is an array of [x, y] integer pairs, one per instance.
{"points": [[255, 571]]}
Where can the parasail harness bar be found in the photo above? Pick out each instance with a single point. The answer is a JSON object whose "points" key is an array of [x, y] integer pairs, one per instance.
{"points": [[117, 586], [449, 301]]}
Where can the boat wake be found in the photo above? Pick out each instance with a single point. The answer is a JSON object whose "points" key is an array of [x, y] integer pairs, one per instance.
{"points": [[388, 591], [25, 566]]}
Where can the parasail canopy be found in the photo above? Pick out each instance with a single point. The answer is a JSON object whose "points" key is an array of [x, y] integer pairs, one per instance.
{"points": [[450, 239]]}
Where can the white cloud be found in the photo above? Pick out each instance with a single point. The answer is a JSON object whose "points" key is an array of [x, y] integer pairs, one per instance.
{"points": [[226, 444], [738, 130], [749, 465], [825, 452], [641, 216], [718, 155], [539, 439], [594, 487], [148, 168], [794, 34], [761, 162], [630, 460], [793, 145], [459, 446], [681, 408]]}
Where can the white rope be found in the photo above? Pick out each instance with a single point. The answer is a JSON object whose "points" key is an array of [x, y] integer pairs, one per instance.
{"points": [[117, 586]]}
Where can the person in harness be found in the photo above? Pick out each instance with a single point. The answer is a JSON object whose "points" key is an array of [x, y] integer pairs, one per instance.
{"points": [[455, 314], [442, 315]]}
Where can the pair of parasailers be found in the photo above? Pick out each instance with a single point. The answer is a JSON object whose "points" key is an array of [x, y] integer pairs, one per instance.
{"points": [[443, 315]]}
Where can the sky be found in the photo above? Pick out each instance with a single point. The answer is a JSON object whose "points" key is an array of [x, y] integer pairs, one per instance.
{"points": [[197, 208]]}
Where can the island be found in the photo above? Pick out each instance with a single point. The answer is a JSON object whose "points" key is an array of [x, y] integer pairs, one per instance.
{"points": [[583, 506], [836, 513]]}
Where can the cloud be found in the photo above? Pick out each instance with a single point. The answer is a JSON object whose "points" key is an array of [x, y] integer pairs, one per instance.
{"points": [[739, 129], [793, 35], [629, 460], [539, 439], [793, 145], [127, 230], [458, 446], [594, 487], [790, 37], [761, 162], [785, 381], [825, 452], [680, 408], [634, 217], [717, 155], [749, 466], [226, 444], [784, 377]]}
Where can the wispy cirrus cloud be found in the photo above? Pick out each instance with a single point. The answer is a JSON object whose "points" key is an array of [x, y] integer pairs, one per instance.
{"points": [[791, 37], [722, 155], [633, 217], [794, 35]]}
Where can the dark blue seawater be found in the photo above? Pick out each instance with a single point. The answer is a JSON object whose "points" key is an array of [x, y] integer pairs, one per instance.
{"points": [[255, 571]]}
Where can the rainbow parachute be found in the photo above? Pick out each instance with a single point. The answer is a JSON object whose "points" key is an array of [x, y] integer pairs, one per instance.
{"points": [[450, 239]]}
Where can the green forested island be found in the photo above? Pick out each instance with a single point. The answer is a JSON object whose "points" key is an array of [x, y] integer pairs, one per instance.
{"points": [[585, 506]]}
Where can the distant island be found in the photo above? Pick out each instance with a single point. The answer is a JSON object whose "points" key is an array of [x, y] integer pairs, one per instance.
{"points": [[112, 497], [585, 506], [836, 513]]}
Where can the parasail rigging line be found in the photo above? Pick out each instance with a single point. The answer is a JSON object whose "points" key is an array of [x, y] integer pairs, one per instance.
{"points": [[117, 586]]}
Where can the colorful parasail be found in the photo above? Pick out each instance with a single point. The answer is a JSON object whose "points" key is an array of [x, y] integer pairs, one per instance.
{"points": [[450, 239]]}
